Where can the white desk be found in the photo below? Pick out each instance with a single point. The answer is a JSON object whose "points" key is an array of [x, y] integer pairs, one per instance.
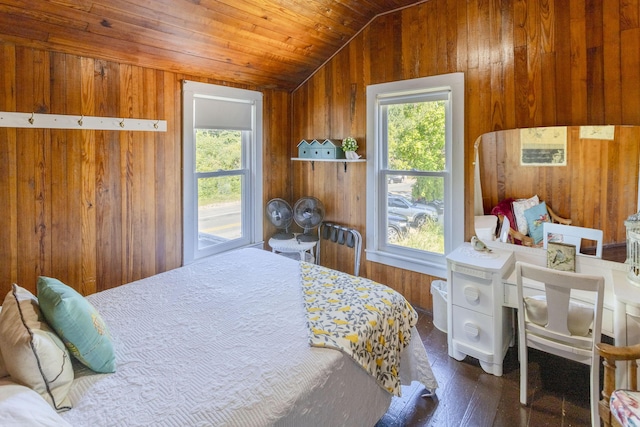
{"points": [[583, 265], [482, 294], [294, 246], [628, 306]]}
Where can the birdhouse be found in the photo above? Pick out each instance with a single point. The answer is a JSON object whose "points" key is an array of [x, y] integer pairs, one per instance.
{"points": [[304, 149], [327, 149], [331, 149], [315, 148]]}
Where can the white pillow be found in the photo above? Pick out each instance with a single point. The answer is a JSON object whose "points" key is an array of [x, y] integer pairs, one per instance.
{"points": [[521, 205], [579, 320], [20, 406], [33, 353]]}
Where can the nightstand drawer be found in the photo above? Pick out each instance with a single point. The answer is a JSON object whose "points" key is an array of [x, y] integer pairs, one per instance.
{"points": [[472, 292], [473, 328]]}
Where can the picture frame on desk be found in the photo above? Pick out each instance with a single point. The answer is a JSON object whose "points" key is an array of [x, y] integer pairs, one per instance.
{"points": [[561, 256]]}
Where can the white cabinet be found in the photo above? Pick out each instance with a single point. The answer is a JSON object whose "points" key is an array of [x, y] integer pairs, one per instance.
{"points": [[478, 324]]}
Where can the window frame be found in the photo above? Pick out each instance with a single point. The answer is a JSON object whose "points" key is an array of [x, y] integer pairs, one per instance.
{"points": [[251, 171], [377, 249]]}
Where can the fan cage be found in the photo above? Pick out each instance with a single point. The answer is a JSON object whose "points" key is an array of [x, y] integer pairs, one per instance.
{"points": [[283, 230], [306, 205]]}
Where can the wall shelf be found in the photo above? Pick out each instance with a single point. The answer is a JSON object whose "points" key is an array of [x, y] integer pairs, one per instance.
{"points": [[345, 161]]}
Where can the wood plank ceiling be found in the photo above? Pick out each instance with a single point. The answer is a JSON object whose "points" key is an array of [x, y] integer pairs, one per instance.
{"points": [[271, 44]]}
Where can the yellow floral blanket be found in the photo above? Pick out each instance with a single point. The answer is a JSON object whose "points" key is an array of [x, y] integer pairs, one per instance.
{"points": [[366, 320]]}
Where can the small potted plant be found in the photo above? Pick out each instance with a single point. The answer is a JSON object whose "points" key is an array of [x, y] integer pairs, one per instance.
{"points": [[349, 146]]}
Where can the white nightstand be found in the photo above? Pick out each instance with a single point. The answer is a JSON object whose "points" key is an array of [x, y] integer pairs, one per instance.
{"points": [[294, 247], [478, 324]]}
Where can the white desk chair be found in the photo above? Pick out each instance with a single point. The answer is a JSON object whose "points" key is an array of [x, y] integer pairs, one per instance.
{"points": [[559, 326], [573, 235]]}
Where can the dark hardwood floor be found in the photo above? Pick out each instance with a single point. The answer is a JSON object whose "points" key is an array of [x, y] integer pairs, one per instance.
{"points": [[468, 396]]}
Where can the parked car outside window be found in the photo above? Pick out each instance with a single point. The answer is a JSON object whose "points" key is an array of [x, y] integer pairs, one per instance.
{"points": [[437, 204], [417, 213], [397, 227]]}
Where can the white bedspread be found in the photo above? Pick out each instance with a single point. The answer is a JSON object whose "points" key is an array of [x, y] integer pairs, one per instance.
{"points": [[223, 342]]}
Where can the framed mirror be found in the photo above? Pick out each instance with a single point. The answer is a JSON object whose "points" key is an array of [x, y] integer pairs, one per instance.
{"points": [[588, 174]]}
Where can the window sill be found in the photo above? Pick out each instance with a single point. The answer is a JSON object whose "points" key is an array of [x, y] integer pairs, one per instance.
{"points": [[432, 268]]}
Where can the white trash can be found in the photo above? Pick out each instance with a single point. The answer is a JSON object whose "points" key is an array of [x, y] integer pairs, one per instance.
{"points": [[439, 292]]}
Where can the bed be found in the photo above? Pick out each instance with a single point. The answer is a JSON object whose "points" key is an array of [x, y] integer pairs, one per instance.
{"points": [[224, 341]]}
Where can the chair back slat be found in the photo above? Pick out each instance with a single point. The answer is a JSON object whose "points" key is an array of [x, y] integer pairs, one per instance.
{"points": [[558, 298]]}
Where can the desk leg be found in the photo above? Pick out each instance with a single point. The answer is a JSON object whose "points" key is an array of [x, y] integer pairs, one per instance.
{"points": [[621, 336], [514, 326]]}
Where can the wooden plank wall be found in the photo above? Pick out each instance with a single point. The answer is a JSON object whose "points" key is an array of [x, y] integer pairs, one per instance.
{"points": [[97, 209], [526, 63]]}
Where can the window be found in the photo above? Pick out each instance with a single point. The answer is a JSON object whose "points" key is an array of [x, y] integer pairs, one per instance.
{"points": [[415, 153], [222, 169]]}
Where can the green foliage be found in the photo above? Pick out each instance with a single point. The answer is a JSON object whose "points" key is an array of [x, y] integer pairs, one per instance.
{"points": [[429, 237], [349, 144], [218, 150], [416, 137]]}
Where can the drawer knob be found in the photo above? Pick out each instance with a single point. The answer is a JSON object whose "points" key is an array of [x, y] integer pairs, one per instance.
{"points": [[471, 294], [471, 330]]}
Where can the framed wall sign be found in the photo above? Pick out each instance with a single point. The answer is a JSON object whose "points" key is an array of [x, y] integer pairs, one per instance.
{"points": [[543, 146]]}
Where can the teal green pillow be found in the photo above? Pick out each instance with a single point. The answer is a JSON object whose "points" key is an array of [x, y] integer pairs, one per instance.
{"points": [[78, 323], [536, 217]]}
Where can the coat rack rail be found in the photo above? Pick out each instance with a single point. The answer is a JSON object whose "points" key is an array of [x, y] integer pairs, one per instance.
{"points": [[62, 121]]}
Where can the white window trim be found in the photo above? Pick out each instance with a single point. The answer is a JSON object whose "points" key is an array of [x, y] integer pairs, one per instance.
{"points": [[252, 214], [405, 258]]}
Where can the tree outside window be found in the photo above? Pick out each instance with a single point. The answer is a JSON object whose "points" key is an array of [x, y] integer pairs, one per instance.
{"points": [[416, 143]]}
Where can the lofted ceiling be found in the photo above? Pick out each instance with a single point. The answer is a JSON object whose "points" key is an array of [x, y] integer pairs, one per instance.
{"points": [[264, 43]]}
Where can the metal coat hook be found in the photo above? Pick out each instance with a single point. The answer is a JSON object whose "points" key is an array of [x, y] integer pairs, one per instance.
{"points": [[31, 119], [122, 123], [155, 125], [80, 120]]}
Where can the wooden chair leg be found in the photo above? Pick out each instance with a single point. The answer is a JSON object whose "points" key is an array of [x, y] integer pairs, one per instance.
{"points": [[594, 392], [608, 386]]}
